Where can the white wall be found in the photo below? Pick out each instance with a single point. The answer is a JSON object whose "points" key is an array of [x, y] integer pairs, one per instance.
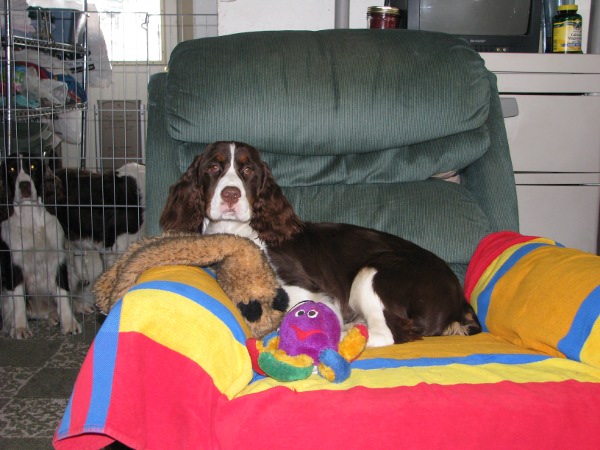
{"points": [[236, 16], [257, 15], [204, 6]]}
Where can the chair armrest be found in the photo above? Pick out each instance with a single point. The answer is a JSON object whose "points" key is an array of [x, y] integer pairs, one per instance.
{"points": [[163, 165], [538, 294], [167, 354]]}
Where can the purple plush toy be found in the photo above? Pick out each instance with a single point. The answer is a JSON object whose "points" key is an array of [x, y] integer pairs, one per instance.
{"points": [[309, 335], [309, 328]]}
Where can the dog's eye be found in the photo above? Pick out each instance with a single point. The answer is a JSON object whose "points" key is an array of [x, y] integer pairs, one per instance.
{"points": [[312, 313], [12, 169], [248, 170], [32, 166], [214, 168]]}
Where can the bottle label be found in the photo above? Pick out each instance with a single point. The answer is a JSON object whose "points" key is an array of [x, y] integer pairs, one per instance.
{"points": [[566, 36]]}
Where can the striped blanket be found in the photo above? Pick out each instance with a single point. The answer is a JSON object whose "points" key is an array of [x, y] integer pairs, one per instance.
{"points": [[169, 369], [154, 364], [535, 293]]}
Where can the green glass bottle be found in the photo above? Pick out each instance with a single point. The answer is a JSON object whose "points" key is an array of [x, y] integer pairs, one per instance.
{"points": [[566, 30]]}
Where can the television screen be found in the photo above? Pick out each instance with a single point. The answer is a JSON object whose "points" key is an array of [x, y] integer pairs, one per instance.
{"points": [[476, 17]]}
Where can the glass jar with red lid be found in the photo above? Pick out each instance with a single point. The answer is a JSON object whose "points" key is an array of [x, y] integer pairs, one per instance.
{"points": [[383, 17]]}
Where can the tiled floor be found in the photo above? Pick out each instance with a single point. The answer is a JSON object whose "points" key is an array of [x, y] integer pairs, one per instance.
{"points": [[36, 380]]}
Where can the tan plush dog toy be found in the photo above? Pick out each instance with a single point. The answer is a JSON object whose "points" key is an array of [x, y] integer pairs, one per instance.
{"points": [[241, 269]]}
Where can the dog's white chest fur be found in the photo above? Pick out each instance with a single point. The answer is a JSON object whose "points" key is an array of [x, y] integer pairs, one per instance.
{"points": [[31, 227], [232, 227]]}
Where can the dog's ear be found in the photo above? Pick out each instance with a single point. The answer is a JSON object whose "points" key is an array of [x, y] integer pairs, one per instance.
{"points": [[273, 216], [184, 210]]}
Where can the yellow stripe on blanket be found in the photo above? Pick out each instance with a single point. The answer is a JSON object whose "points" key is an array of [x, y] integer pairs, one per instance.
{"points": [[491, 270], [199, 279], [445, 347], [546, 370], [188, 326], [541, 296]]}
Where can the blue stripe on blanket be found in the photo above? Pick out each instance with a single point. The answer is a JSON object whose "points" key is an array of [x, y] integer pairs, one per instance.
{"points": [[105, 354], [484, 298], [210, 272], [65, 423], [201, 298], [582, 325], [472, 360]]}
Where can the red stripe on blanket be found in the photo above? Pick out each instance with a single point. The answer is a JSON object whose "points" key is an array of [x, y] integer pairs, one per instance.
{"points": [[159, 400], [425, 416], [487, 250]]}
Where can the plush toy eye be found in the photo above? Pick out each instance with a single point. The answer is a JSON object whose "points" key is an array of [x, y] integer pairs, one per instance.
{"points": [[300, 313], [312, 313]]}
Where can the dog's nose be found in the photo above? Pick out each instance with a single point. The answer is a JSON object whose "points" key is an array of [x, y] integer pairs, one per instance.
{"points": [[231, 195], [25, 188]]}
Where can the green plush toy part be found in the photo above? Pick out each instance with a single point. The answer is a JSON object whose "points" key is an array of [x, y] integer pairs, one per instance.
{"points": [[309, 337]]}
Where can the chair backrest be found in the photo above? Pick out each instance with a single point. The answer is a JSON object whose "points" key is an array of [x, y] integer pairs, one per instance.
{"points": [[360, 126]]}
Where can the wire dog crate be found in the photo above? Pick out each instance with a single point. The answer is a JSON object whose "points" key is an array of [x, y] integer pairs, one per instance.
{"points": [[74, 98]]}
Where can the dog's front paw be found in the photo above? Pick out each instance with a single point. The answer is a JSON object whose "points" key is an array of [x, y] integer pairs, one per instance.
{"points": [[53, 318], [84, 305], [380, 337], [70, 326], [21, 333]]}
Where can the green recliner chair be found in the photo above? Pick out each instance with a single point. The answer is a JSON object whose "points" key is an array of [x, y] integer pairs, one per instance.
{"points": [[395, 130]]}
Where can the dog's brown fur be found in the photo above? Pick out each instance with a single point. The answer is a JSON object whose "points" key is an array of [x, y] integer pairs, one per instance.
{"points": [[242, 272]]}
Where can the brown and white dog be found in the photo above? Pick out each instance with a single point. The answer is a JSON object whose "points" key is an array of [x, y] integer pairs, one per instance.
{"points": [[402, 291]]}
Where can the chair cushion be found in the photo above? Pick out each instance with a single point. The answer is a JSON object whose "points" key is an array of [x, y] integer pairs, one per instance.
{"points": [[348, 143], [310, 92]]}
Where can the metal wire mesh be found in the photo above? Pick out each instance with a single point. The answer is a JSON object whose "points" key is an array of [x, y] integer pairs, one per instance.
{"points": [[74, 103]]}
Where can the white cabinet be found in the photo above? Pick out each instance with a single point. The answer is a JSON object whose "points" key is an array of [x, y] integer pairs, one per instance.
{"points": [[553, 133], [554, 139]]}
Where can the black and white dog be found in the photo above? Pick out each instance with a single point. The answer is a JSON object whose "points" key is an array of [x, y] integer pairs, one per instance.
{"points": [[32, 255], [96, 216], [103, 212]]}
